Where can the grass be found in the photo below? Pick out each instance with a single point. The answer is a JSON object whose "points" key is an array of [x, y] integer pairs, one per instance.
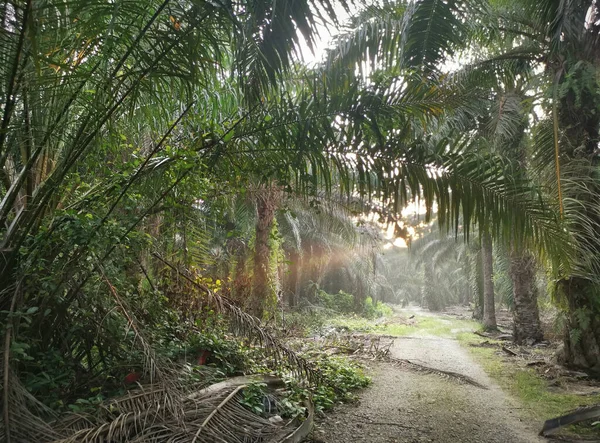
{"points": [[421, 325]]}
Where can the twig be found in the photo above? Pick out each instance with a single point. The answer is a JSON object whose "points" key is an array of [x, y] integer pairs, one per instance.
{"points": [[146, 275]]}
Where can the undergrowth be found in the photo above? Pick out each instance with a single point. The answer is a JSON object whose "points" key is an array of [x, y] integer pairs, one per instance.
{"points": [[340, 379]]}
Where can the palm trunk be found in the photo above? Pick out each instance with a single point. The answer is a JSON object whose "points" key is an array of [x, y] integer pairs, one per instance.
{"points": [[526, 316], [294, 278], [431, 299], [476, 282], [360, 297], [467, 296], [489, 308], [262, 253], [582, 334]]}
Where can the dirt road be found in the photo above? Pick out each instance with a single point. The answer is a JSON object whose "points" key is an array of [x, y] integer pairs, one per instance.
{"points": [[403, 406]]}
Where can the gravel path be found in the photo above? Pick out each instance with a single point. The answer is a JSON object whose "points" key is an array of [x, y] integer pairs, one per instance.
{"points": [[403, 406]]}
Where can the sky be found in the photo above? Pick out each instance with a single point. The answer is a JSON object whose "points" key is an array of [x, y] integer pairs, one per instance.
{"points": [[326, 32]]}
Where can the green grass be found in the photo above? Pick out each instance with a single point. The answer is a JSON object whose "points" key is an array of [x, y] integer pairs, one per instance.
{"points": [[440, 327], [422, 325]]}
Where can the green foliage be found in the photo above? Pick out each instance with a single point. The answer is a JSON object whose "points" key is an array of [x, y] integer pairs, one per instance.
{"points": [[341, 302], [340, 378], [229, 354], [376, 309], [344, 303], [140, 128], [253, 396]]}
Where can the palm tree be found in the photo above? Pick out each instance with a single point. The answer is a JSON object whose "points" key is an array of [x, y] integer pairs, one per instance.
{"points": [[505, 130], [109, 111], [440, 261], [115, 112], [552, 33], [563, 38], [267, 202], [330, 251]]}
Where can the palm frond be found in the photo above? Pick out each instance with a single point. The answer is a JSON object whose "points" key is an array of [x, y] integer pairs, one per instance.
{"points": [[144, 416], [398, 35], [267, 37]]}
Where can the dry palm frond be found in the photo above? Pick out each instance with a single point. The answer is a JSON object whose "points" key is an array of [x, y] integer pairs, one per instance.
{"points": [[213, 414], [27, 416], [586, 413], [374, 346], [450, 375], [165, 391], [246, 325], [169, 409]]}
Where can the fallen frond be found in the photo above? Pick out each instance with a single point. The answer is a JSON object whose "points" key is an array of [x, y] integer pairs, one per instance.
{"points": [[449, 375], [212, 414], [28, 417], [376, 347], [577, 416]]}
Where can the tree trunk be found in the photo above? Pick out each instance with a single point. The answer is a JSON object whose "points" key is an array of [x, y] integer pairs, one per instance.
{"points": [[360, 297], [475, 270], [582, 334], [489, 308], [578, 147], [265, 217], [293, 278], [430, 297], [526, 316]]}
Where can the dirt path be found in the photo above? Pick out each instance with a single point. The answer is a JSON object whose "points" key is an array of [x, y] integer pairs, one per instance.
{"points": [[403, 406]]}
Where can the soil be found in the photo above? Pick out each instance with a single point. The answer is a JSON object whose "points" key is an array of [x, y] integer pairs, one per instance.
{"points": [[404, 406]]}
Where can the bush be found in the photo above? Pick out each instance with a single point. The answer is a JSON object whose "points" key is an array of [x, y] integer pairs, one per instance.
{"points": [[340, 302], [340, 377], [376, 309]]}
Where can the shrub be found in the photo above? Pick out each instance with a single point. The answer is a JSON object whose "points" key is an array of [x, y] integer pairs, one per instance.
{"points": [[341, 302], [376, 309], [339, 378]]}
